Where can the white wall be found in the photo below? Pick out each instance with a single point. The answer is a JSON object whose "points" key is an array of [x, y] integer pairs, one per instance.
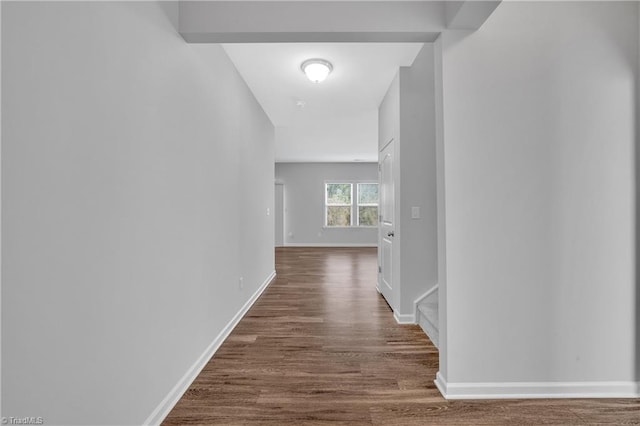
{"points": [[440, 203], [279, 215], [407, 115], [311, 21], [136, 174], [417, 155], [338, 140], [1, 314], [538, 161], [637, 206], [304, 202]]}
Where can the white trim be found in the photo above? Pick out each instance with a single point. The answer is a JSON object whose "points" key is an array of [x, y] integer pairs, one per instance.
{"points": [[404, 318], [522, 390], [441, 384], [172, 398], [385, 145], [426, 294], [429, 329], [421, 298], [425, 323], [330, 244]]}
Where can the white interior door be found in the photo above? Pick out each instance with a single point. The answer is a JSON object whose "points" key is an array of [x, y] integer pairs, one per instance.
{"points": [[386, 223]]}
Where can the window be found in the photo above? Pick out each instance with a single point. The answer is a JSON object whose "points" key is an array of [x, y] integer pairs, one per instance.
{"points": [[342, 205], [338, 202], [367, 204]]}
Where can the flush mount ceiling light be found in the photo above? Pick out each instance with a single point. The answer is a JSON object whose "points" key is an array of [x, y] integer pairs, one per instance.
{"points": [[316, 70]]}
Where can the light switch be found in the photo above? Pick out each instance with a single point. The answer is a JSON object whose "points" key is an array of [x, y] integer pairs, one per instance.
{"points": [[415, 212]]}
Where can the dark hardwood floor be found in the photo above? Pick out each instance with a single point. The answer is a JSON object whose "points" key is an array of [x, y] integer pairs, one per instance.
{"points": [[321, 347]]}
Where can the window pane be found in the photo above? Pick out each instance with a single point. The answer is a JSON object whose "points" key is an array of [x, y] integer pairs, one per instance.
{"points": [[338, 216], [368, 193], [368, 215], [338, 193]]}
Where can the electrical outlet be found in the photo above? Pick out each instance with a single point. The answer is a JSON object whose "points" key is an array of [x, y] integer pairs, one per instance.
{"points": [[241, 283], [268, 211]]}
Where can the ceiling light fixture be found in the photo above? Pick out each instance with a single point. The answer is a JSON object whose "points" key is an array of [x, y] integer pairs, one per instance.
{"points": [[316, 70]]}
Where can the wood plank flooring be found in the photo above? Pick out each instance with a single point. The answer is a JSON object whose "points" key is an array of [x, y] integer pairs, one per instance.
{"points": [[321, 347]]}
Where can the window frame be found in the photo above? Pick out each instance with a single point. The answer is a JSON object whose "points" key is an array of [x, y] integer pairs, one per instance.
{"points": [[357, 204], [327, 205], [354, 206]]}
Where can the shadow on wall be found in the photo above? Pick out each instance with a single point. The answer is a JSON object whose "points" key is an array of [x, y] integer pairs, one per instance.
{"points": [[170, 8]]}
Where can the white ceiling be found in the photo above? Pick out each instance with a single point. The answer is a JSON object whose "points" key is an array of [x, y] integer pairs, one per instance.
{"points": [[339, 120]]}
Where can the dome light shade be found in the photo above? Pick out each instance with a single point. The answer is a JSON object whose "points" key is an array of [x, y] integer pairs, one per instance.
{"points": [[316, 70]]}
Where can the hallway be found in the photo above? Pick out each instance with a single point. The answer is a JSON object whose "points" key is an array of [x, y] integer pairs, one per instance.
{"points": [[321, 346]]}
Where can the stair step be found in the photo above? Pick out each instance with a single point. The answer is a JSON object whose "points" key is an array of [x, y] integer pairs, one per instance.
{"points": [[428, 317], [430, 311]]}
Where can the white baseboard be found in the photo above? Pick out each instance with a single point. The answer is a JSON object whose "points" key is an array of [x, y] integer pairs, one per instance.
{"points": [[404, 318], [429, 329], [330, 245], [523, 390], [172, 398]]}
